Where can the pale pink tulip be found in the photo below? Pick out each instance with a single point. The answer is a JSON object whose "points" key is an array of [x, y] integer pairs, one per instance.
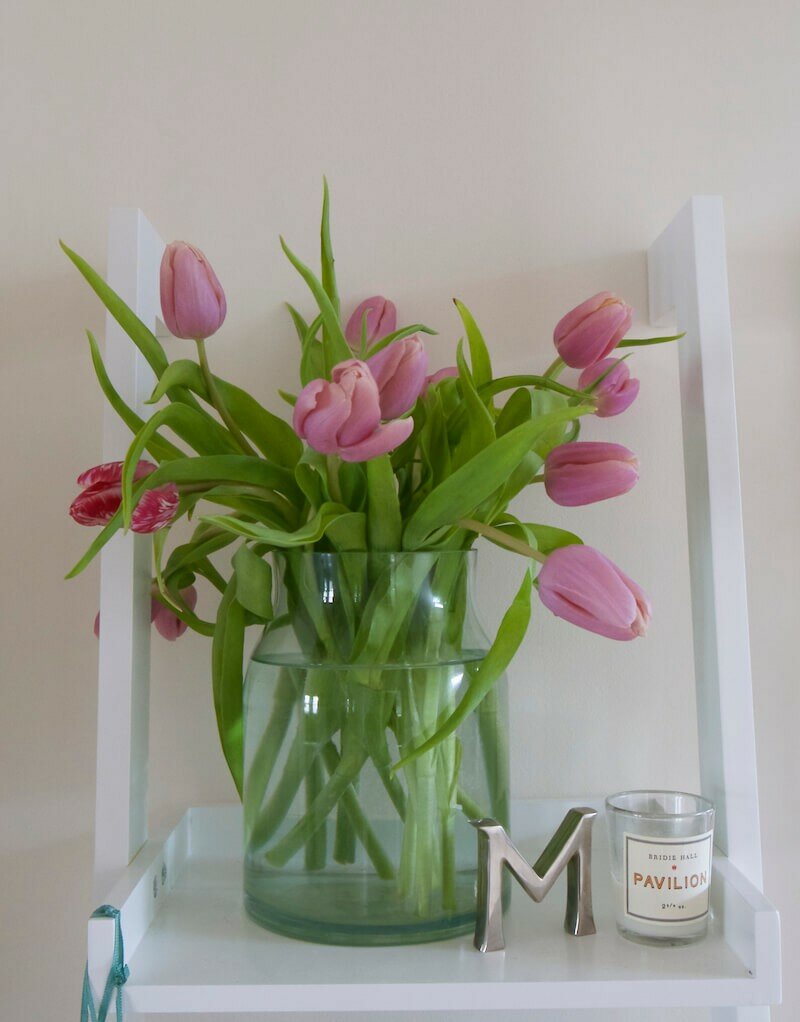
{"points": [[582, 586], [587, 471], [399, 370], [381, 317], [166, 621], [616, 392], [343, 416], [449, 372], [192, 300], [592, 330], [102, 496]]}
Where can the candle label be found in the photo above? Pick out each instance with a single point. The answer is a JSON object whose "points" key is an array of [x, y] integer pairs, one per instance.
{"points": [[666, 879]]}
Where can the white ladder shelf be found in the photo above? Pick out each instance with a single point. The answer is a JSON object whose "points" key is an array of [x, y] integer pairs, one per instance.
{"points": [[189, 945]]}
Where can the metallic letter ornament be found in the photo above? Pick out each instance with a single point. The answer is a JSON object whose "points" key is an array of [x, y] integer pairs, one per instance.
{"points": [[570, 846]]}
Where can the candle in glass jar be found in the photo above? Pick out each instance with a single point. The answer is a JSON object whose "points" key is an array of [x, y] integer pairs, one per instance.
{"points": [[661, 848]]}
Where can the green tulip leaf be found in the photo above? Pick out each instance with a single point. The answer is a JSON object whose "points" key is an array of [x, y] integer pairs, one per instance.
{"points": [[484, 675], [253, 582], [398, 335], [160, 448], [300, 324], [274, 437], [227, 659], [478, 352], [469, 486], [311, 532], [335, 346], [384, 520], [634, 342]]}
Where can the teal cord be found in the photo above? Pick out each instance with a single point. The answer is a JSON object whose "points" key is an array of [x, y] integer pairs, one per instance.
{"points": [[117, 975]]}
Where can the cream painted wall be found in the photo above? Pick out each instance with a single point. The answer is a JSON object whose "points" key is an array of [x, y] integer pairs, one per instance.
{"points": [[520, 155]]}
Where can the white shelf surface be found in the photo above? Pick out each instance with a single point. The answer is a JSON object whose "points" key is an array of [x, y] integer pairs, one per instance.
{"points": [[191, 948]]}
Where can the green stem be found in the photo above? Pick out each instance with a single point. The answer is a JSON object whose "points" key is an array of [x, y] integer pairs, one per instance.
{"points": [[501, 538], [322, 806], [266, 755], [359, 824], [495, 755], [216, 399], [283, 794], [555, 367], [316, 846], [344, 842], [469, 806]]}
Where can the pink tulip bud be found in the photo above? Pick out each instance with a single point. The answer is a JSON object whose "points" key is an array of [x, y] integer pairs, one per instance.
{"points": [[102, 497], [343, 416], [166, 621], [399, 370], [192, 300], [381, 321], [449, 372], [617, 391], [592, 330], [582, 586], [588, 471]]}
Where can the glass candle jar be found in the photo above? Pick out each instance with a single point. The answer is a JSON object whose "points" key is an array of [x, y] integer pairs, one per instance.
{"points": [[661, 847]]}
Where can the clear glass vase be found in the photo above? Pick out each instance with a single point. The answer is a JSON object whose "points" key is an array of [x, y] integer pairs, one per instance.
{"points": [[368, 654]]}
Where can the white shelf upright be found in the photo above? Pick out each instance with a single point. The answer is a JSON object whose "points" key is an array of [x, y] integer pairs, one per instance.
{"points": [[189, 945]]}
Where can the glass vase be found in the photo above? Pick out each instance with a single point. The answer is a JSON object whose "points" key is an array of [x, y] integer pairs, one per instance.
{"points": [[367, 656]]}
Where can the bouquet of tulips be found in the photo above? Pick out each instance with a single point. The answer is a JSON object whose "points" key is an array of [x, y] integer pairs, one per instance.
{"points": [[381, 455]]}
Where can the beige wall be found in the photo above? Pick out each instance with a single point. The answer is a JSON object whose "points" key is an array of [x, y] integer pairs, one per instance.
{"points": [[519, 155]]}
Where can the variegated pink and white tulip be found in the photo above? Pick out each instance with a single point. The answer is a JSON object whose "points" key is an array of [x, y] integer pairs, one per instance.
{"points": [[102, 496]]}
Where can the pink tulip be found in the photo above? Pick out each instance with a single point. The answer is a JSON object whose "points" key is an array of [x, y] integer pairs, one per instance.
{"points": [[617, 391], [381, 321], [582, 586], [592, 330], [449, 372], [399, 370], [588, 471], [192, 300], [166, 621], [102, 496], [344, 416]]}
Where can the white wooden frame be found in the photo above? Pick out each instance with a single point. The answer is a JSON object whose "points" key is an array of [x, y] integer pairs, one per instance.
{"points": [[687, 278]]}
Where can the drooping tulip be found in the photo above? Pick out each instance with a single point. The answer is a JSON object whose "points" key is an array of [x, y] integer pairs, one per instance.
{"points": [[192, 300], [616, 392], [587, 471], [102, 495], [582, 586], [399, 370], [343, 416], [381, 317], [592, 330], [166, 621]]}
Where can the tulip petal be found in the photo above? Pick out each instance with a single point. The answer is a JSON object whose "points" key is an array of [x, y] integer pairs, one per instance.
{"points": [[321, 426], [111, 472], [364, 415], [385, 438], [156, 509], [97, 506]]}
